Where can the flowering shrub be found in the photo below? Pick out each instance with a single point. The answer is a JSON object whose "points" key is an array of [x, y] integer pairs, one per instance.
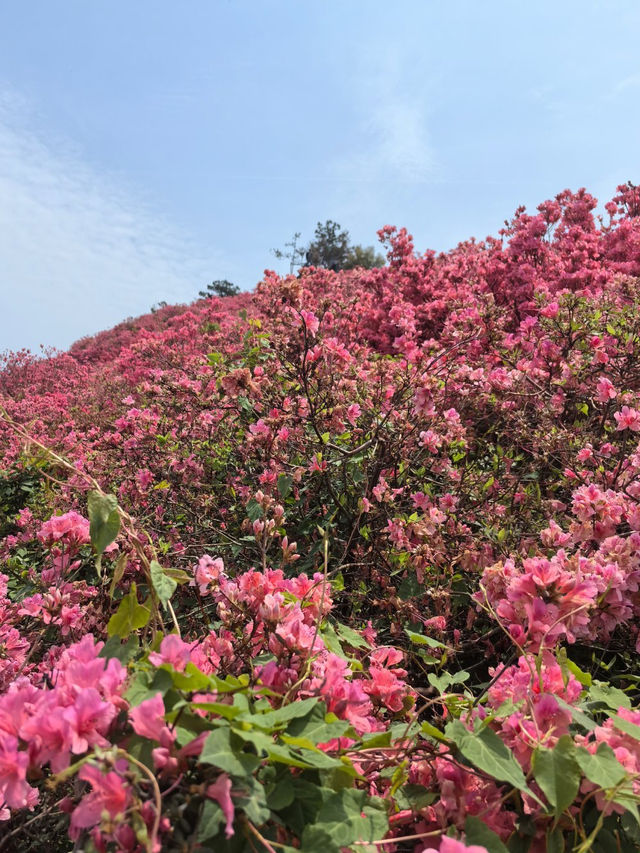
{"points": [[350, 563]]}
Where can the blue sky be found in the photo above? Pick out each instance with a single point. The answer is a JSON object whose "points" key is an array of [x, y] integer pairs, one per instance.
{"points": [[150, 146]]}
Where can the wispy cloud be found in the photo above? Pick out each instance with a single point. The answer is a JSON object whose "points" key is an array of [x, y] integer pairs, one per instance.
{"points": [[78, 250], [630, 82], [393, 141]]}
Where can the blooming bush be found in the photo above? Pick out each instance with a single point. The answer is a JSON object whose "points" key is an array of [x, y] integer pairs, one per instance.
{"points": [[349, 563]]}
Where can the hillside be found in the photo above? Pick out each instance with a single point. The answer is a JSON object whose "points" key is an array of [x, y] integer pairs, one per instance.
{"points": [[348, 563]]}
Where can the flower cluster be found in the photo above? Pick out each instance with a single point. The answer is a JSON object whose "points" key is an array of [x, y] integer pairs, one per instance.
{"points": [[359, 535]]}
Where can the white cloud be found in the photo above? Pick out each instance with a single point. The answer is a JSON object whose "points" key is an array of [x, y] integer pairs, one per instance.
{"points": [[631, 82], [400, 146], [78, 250], [393, 142]]}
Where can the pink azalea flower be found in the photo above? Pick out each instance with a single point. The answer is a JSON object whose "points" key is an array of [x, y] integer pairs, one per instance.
{"points": [[14, 788], [109, 794], [220, 791], [551, 310], [260, 428], [49, 734], [89, 719], [353, 413], [311, 322], [148, 721], [70, 527], [438, 623], [605, 390], [173, 651], [431, 440], [207, 572], [627, 418], [387, 688]]}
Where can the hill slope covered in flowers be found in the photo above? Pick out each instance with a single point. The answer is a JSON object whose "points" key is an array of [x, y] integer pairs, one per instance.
{"points": [[349, 563]]}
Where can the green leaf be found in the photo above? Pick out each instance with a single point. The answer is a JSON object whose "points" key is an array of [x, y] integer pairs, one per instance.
{"points": [[555, 841], [130, 616], [254, 510], [432, 732], [254, 802], [350, 637], [229, 712], [317, 726], [446, 679], [142, 749], [488, 484], [178, 575], [477, 832], [519, 843], [145, 685], [579, 717], [340, 777], [374, 740], [211, 820], [345, 816], [610, 696], [272, 719], [188, 727], [414, 797], [260, 741], [625, 726], [423, 640], [219, 751], [304, 807], [337, 582], [487, 752], [118, 572], [629, 801], [630, 827], [558, 774], [582, 677], [245, 404], [227, 685], [284, 485], [282, 795], [332, 641], [284, 755], [104, 520], [115, 648], [191, 679], [308, 754], [163, 584], [601, 768]]}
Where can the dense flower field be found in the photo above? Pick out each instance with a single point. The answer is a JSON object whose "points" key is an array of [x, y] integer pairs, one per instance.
{"points": [[349, 563]]}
